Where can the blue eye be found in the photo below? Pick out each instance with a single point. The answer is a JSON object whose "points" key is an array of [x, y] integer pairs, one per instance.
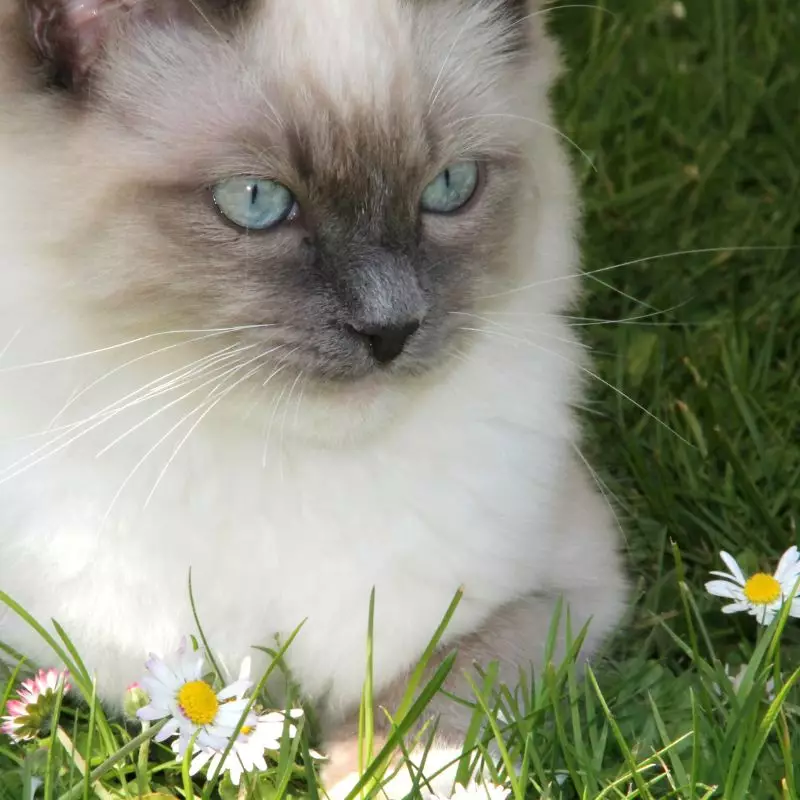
{"points": [[452, 188], [253, 203]]}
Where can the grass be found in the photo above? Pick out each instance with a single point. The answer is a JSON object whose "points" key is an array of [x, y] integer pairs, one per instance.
{"points": [[692, 125]]}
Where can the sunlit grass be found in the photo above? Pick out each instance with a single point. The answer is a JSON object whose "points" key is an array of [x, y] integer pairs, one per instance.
{"points": [[692, 127]]}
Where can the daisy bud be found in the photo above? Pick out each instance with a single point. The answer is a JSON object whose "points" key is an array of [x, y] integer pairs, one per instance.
{"points": [[135, 698]]}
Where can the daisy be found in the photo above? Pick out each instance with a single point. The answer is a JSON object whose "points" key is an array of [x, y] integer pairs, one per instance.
{"points": [[678, 10], [761, 595], [247, 752], [177, 691], [30, 714], [271, 725], [736, 679], [479, 791]]}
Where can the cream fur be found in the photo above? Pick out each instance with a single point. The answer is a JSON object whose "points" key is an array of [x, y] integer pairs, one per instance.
{"points": [[461, 478]]}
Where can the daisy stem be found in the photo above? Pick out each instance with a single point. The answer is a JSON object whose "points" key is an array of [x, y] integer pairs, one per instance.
{"points": [[78, 761], [186, 767], [123, 752], [141, 764]]}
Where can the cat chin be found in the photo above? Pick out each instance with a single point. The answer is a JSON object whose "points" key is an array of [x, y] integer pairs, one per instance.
{"points": [[332, 414]]}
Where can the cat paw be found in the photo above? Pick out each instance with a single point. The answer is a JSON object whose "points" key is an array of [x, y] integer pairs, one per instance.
{"points": [[341, 775]]}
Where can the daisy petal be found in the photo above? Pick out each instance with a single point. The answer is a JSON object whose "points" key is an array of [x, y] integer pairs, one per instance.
{"points": [[234, 770], [199, 761], [213, 765], [724, 589], [153, 687], [733, 566], [789, 563], [259, 762], [791, 583], [764, 615], [206, 739], [151, 713], [732, 608], [236, 689], [271, 717], [170, 729], [195, 669], [16, 708], [159, 669]]}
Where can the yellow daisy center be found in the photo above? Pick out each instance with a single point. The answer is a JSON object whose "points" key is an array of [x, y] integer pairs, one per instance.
{"points": [[198, 702], [247, 730], [762, 589]]}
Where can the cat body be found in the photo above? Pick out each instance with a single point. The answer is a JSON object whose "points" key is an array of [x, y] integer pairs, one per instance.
{"points": [[181, 394]]}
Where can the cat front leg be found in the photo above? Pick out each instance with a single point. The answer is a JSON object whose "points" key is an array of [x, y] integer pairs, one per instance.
{"points": [[589, 587], [515, 637]]}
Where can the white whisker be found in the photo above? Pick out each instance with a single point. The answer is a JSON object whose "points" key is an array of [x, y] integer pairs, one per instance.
{"points": [[533, 121], [572, 342], [234, 51], [588, 372], [620, 292], [226, 370], [550, 9], [303, 388], [281, 450], [9, 343], [129, 343], [580, 322], [644, 260], [209, 397], [602, 487], [275, 405], [64, 438], [197, 422], [438, 84], [128, 363]]}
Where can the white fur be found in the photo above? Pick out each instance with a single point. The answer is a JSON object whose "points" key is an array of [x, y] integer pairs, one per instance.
{"points": [[457, 484]]}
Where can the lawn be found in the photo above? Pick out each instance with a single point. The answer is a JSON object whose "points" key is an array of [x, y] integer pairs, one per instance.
{"points": [[692, 309]]}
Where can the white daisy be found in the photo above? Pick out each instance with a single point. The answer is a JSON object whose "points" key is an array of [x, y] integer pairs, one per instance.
{"points": [[247, 752], [678, 10], [271, 725], [761, 595], [736, 679], [478, 791], [177, 690]]}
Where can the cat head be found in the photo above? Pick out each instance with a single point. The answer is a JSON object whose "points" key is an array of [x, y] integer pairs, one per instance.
{"points": [[341, 179]]}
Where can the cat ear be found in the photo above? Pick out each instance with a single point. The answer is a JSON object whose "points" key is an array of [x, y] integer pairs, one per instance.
{"points": [[68, 36]]}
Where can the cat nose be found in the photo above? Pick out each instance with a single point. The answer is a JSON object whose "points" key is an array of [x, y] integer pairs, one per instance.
{"points": [[387, 342]]}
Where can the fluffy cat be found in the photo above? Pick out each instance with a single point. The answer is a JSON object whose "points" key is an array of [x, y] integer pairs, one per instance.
{"points": [[280, 296]]}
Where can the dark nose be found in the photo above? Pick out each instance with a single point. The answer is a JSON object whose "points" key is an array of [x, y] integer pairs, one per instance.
{"points": [[387, 342]]}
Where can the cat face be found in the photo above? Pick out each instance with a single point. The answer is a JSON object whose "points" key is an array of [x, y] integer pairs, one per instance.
{"points": [[338, 178]]}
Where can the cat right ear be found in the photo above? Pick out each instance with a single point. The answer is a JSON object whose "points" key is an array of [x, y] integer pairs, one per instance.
{"points": [[68, 36]]}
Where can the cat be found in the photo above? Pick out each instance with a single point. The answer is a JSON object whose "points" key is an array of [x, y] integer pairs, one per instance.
{"points": [[281, 290]]}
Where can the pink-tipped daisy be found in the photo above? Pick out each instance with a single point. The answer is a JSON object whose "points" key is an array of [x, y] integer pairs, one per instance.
{"points": [[177, 691], [29, 715], [761, 595]]}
